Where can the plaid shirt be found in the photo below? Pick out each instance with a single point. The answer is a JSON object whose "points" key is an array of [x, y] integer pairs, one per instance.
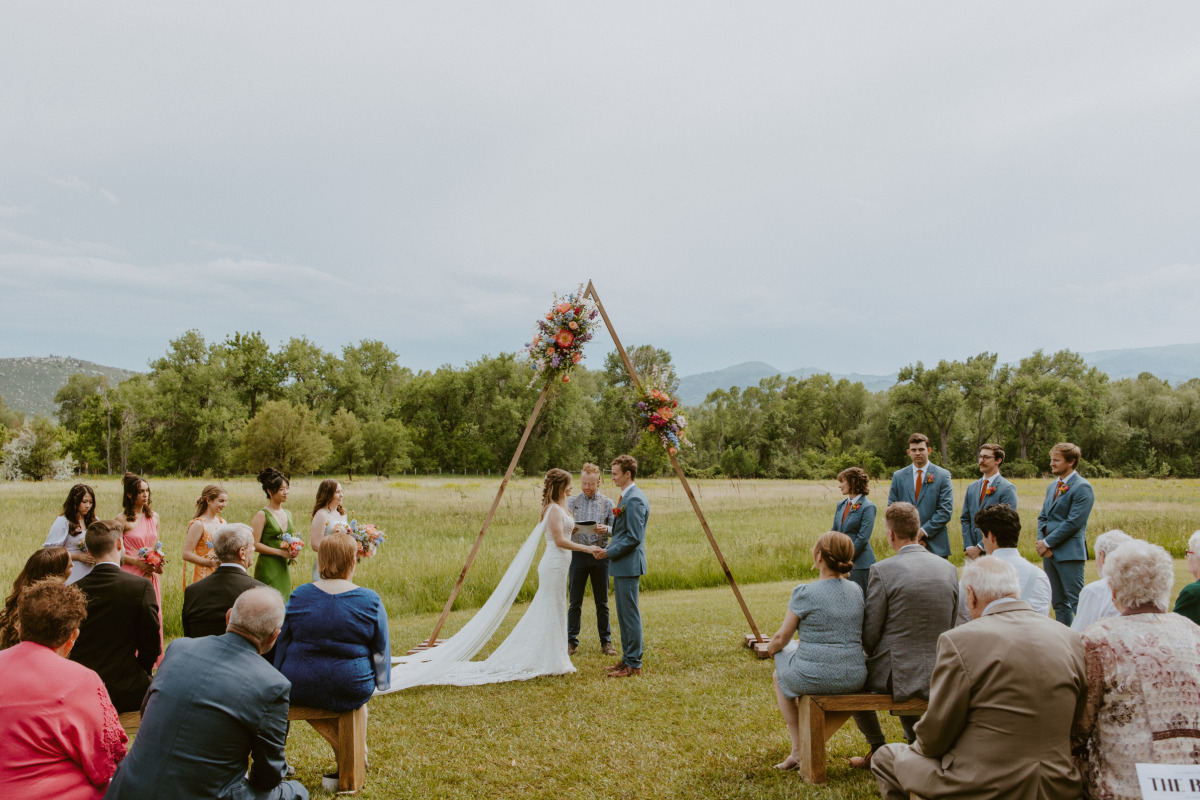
{"points": [[596, 508]]}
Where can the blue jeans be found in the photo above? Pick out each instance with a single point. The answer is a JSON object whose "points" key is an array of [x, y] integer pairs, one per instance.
{"points": [[585, 567], [1066, 581]]}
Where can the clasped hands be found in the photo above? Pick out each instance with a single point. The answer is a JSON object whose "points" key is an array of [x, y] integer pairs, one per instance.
{"points": [[1043, 549], [598, 552]]}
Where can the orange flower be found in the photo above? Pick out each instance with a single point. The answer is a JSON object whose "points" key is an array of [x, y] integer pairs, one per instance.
{"points": [[666, 413], [652, 427], [671, 450], [565, 339], [577, 357], [562, 308], [566, 378], [574, 326]]}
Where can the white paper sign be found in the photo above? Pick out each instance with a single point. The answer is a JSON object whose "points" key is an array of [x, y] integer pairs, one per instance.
{"points": [[1169, 781]]}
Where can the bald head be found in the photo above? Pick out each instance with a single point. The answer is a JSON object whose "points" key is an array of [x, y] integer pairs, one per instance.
{"points": [[257, 615]]}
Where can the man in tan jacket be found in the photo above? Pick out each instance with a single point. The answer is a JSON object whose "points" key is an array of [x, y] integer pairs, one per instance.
{"points": [[1005, 691]]}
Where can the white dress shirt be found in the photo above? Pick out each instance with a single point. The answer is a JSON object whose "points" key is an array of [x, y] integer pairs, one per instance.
{"points": [[1035, 586], [1095, 604]]}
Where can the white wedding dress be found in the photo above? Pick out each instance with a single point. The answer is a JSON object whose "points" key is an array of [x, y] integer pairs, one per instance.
{"points": [[537, 645]]}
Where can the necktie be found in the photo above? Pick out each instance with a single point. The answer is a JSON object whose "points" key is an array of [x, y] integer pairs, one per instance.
{"points": [[1058, 492], [919, 482], [983, 492], [846, 512]]}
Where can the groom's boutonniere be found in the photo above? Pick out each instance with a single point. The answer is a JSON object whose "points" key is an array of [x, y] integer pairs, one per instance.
{"points": [[618, 511], [1063, 488], [991, 490], [856, 506]]}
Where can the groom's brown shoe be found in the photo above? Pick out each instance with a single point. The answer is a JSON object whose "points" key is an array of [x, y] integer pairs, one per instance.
{"points": [[617, 666], [626, 672]]}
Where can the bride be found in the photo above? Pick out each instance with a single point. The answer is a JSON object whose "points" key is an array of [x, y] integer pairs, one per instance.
{"points": [[538, 644]]}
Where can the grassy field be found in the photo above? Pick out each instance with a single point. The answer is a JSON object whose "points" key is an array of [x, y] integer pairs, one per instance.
{"points": [[702, 720]]}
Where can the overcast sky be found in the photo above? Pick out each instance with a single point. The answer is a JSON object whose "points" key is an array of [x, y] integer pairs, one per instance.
{"points": [[852, 186]]}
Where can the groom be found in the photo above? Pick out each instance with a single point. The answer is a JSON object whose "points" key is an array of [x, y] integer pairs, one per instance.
{"points": [[627, 563]]}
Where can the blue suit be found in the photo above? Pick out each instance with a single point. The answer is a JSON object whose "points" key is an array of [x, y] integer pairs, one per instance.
{"points": [[1062, 524], [627, 564], [214, 704], [935, 507], [1004, 492], [858, 526]]}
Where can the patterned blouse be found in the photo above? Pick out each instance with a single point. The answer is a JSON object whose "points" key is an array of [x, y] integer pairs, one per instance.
{"points": [[596, 508], [1143, 703]]}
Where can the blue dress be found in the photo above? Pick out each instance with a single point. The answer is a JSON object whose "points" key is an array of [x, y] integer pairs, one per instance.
{"points": [[829, 657], [334, 647]]}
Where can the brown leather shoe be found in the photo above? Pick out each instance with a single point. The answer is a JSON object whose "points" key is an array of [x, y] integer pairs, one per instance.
{"points": [[617, 666], [608, 649], [627, 672], [862, 762], [572, 649]]}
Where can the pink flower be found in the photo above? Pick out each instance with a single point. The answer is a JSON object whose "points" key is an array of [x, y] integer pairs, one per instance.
{"points": [[565, 339]]}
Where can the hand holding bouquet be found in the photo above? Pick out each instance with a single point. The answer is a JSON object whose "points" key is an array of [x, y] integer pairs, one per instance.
{"points": [[292, 545], [369, 537], [154, 558]]}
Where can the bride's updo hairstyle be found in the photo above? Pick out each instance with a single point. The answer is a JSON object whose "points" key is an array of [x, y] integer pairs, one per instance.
{"points": [[557, 481], [272, 480], [837, 550]]}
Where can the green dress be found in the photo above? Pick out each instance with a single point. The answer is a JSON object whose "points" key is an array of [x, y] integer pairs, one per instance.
{"points": [[273, 570]]}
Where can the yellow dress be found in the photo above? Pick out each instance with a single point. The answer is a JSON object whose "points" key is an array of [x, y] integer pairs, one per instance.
{"points": [[204, 549]]}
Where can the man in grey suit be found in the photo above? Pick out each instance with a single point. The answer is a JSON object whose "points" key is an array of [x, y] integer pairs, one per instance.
{"points": [[626, 554], [214, 704], [1062, 530], [928, 487], [990, 490], [912, 598], [1006, 691]]}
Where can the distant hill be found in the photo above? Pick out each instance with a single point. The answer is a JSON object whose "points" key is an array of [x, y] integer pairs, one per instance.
{"points": [[29, 384], [1175, 363]]}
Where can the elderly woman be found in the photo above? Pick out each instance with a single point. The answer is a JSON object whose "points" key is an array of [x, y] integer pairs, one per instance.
{"points": [[1188, 603], [49, 562], [59, 734], [334, 643], [1143, 669], [829, 656], [1095, 599]]}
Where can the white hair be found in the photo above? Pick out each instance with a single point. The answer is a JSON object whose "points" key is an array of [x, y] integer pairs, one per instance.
{"points": [[1111, 540], [230, 538], [1194, 543], [258, 612], [1139, 574], [991, 578]]}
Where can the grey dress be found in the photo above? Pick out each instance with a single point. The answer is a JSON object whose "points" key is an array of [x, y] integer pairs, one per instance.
{"points": [[829, 657]]}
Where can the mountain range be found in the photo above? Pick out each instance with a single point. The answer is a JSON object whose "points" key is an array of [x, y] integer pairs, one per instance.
{"points": [[1175, 363], [29, 384]]}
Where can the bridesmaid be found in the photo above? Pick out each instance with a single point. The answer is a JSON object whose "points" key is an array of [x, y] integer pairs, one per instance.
{"points": [[198, 546], [855, 517], [269, 526], [327, 511], [78, 512], [141, 530]]}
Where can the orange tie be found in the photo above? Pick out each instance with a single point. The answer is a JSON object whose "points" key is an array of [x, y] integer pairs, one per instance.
{"points": [[1058, 491], [918, 493], [983, 492], [846, 512]]}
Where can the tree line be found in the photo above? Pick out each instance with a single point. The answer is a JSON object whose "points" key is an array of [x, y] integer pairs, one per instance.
{"points": [[238, 405]]}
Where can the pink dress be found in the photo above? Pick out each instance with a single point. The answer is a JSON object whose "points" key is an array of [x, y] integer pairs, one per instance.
{"points": [[59, 733], [145, 534]]}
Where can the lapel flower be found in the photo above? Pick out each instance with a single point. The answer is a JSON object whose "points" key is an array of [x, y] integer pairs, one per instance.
{"points": [[1063, 488], [991, 490], [856, 506], [618, 511], [928, 478]]}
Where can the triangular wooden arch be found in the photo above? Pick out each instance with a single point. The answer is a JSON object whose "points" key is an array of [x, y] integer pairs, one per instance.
{"points": [[754, 639]]}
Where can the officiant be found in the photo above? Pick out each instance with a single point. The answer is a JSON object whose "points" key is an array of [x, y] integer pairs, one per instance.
{"points": [[593, 513]]}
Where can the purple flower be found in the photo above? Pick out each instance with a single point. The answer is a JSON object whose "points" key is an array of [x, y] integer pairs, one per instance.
{"points": [[642, 406], [554, 361]]}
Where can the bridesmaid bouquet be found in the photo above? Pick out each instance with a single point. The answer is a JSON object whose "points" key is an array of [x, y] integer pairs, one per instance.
{"points": [[558, 340], [292, 544], [154, 556], [657, 410], [369, 537]]}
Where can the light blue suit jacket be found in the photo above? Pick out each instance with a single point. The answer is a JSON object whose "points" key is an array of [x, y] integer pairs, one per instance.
{"points": [[935, 507], [627, 546], [1063, 520], [1005, 493], [858, 526]]}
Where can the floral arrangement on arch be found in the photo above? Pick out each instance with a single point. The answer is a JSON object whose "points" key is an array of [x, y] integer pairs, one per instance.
{"points": [[657, 410], [369, 537], [558, 339]]}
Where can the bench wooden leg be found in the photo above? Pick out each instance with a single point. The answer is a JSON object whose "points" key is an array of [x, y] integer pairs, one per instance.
{"points": [[352, 750], [812, 728]]}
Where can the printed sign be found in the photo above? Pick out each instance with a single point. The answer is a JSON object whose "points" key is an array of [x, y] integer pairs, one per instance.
{"points": [[1169, 781]]}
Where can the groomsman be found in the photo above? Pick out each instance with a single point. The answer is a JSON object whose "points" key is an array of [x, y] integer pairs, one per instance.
{"points": [[990, 490], [928, 487], [1062, 529]]}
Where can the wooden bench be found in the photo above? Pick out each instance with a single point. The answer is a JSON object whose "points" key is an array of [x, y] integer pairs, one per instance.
{"points": [[822, 714], [346, 731]]}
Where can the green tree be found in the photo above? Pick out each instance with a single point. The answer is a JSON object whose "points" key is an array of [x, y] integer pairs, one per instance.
{"points": [[385, 446], [252, 369], [307, 375], [283, 436], [930, 398], [1045, 399], [976, 379], [10, 421], [346, 439], [35, 453]]}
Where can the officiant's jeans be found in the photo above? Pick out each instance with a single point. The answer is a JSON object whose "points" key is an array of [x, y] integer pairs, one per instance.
{"points": [[585, 567]]}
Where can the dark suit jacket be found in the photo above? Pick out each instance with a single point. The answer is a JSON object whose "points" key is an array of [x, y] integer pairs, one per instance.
{"points": [[206, 601], [214, 703], [119, 639]]}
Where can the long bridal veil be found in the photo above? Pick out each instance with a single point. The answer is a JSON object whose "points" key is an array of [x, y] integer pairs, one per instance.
{"points": [[536, 646]]}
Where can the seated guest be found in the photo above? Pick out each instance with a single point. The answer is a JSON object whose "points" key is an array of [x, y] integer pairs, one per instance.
{"points": [[334, 645], [1188, 603], [1143, 704], [119, 638], [1004, 693], [215, 704], [59, 734], [206, 600], [1000, 530], [1095, 599], [829, 657], [911, 599], [48, 562]]}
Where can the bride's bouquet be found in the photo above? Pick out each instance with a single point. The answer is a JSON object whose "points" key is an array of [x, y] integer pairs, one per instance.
{"points": [[558, 340], [293, 544], [369, 537], [657, 410]]}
